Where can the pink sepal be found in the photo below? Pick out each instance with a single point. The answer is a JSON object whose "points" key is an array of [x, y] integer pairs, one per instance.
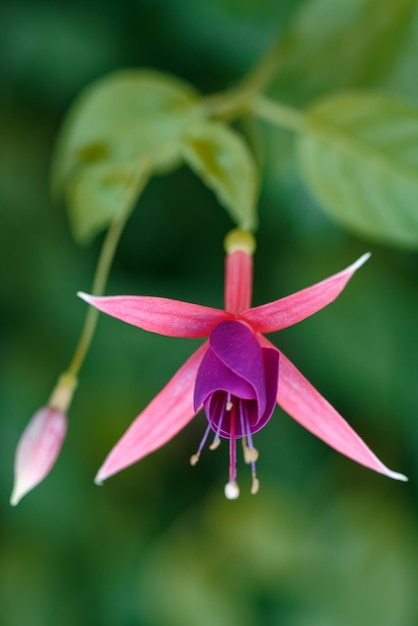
{"points": [[306, 405], [292, 309], [37, 450], [160, 315], [163, 418]]}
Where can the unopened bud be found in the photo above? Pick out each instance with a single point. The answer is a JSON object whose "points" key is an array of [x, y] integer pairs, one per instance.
{"points": [[37, 450], [42, 439]]}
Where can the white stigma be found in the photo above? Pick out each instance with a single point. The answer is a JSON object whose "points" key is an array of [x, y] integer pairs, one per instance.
{"points": [[231, 491]]}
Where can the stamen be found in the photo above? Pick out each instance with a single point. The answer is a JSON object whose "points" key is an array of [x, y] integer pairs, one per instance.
{"points": [[229, 404], [244, 449], [217, 440], [255, 485], [250, 453], [215, 443], [231, 490], [195, 457]]}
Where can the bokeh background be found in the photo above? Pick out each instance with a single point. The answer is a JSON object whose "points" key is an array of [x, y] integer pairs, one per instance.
{"points": [[325, 542]]}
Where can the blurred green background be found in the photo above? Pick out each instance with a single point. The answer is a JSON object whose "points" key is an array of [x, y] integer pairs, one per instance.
{"points": [[325, 542]]}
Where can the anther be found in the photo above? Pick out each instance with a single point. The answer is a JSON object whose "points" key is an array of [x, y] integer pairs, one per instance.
{"points": [[215, 443], [194, 458], [231, 490], [255, 485], [228, 403], [250, 454]]}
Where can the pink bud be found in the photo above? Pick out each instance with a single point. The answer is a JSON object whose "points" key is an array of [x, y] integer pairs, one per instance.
{"points": [[37, 450]]}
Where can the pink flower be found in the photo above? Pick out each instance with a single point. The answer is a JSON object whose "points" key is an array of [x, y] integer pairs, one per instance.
{"points": [[237, 376], [41, 441], [37, 450]]}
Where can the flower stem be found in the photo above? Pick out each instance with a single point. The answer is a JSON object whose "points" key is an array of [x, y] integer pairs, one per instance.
{"points": [[277, 113], [103, 268], [232, 103], [259, 78]]}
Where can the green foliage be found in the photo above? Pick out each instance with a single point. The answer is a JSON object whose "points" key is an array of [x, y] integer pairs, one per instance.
{"points": [[325, 542], [224, 162], [358, 155], [362, 43], [99, 194], [137, 120], [115, 126], [349, 561]]}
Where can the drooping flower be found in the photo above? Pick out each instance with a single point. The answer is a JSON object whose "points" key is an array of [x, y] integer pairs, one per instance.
{"points": [[237, 376], [42, 439]]}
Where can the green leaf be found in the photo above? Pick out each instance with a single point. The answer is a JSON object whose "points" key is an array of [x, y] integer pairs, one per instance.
{"points": [[116, 122], [361, 44], [100, 193], [359, 157], [224, 162]]}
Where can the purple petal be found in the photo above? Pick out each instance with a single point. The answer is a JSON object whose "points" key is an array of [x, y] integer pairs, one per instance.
{"points": [[236, 346], [214, 376], [271, 369]]}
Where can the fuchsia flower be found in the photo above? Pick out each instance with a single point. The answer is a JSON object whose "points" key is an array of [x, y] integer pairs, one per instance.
{"points": [[237, 376]]}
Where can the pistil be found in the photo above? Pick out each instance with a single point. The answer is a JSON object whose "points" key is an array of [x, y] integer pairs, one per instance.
{"points": [[232, 488]]}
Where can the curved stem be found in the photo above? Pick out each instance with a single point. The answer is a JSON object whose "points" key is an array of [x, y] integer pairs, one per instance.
{"points": [[103, 268], [235, 101], [277, 113], [242, 99], [259, 78]]}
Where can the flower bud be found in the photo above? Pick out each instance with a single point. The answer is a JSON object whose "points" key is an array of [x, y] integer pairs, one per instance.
{"points": [[37, 450], [42, 439]]}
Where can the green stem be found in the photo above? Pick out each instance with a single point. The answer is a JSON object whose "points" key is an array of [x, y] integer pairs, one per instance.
{"points": [[277, 113], [103, 268], [235, 101], [247, 97], [259, 78]]}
